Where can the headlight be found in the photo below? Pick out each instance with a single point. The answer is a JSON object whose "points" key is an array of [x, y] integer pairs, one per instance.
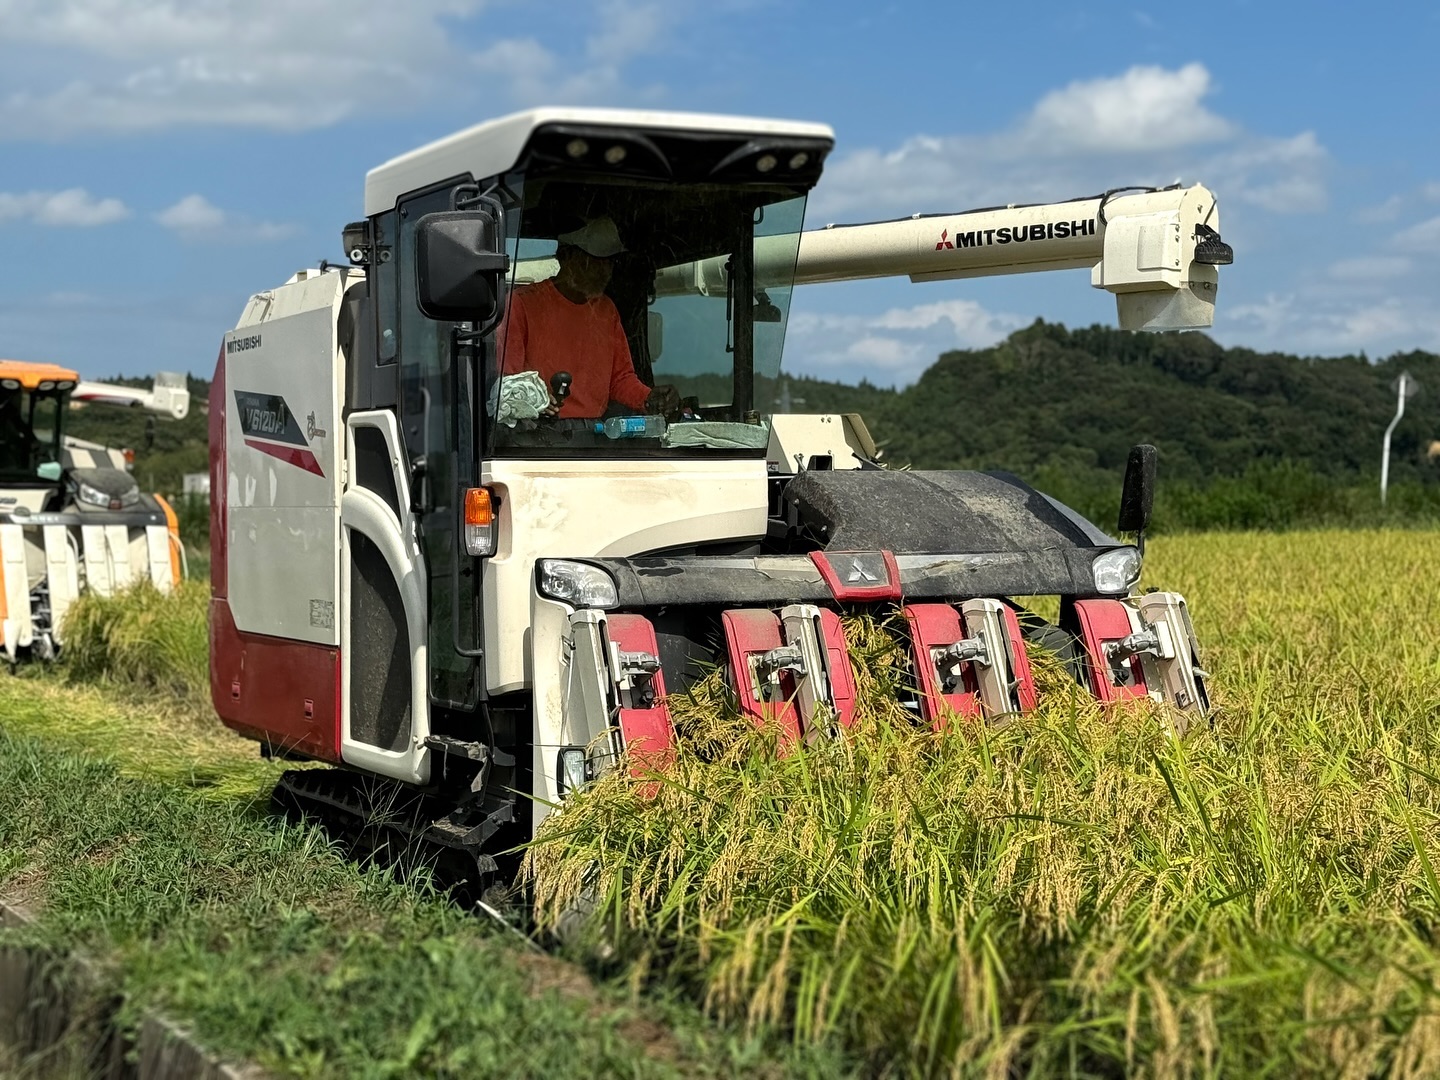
{"points": [[92, 495], [577, 584], [1115, 571], [88, 493]]}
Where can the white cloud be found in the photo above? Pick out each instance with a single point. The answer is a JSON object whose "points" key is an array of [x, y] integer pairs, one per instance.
{"points": [[1371, 268], [196, 217], [1282, 175], [69, 67], [1431, 191], [1423, 239], [1327, 322], [1388, 210], [72, 207], [1143, 110], [894, 346], [1148, 125], [192, 212]]}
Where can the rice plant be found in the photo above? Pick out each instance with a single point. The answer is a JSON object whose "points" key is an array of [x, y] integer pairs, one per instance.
{"points": [[143, 638], [1075, 892]]}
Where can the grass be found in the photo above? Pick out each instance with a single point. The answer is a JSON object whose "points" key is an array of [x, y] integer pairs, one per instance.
{"points": [[1076, 893], [155, 855]]}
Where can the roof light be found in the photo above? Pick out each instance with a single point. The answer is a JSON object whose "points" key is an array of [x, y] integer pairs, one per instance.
{"points": [[797, 161], [46, 384], [615, 155], [65, 384], [10, 384], [765, 162], [577, 148]]}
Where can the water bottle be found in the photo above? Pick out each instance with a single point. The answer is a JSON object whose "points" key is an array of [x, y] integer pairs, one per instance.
{"points": [[632, 427]]}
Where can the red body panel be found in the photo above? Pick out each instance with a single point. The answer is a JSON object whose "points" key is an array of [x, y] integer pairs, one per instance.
{"points": [[937, 626], [842, 676], [832, 567], [279, 691], [649, 733], [1024, 677], [1102, 621], [754, 630], [300, 456]]}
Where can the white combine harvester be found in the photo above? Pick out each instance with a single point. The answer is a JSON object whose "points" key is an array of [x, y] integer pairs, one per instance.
{"points": [[72, 518], [421, 578]]}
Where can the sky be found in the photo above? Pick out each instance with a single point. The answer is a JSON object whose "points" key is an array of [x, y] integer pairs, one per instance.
{"points": [[162, 160]]}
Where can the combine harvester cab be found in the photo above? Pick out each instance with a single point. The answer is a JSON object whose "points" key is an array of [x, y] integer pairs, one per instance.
{"points": [[72, 518], [441, 559]]}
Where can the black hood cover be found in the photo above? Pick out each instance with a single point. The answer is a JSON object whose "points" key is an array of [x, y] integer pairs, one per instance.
{"points": [[117, 483], [922, 513]]}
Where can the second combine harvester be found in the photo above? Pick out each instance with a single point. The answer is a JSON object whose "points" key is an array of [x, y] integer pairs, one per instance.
{"points": [[417, 578]]}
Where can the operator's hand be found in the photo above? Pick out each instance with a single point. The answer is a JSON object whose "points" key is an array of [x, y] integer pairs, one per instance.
{"points": [[551, 412], [664, 401]]}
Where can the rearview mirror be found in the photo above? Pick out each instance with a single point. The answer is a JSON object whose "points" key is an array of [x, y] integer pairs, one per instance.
{"points": [[1137, 497], [460, 266]]}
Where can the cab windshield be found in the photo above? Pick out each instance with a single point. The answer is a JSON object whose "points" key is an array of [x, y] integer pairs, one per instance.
{"points": [[642, 316], [30, 423]]}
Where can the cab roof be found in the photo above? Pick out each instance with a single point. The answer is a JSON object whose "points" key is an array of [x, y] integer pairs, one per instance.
{"points": [[491, 148], [31, 374]]}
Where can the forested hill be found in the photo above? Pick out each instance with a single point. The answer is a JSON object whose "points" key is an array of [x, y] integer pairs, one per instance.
{"points": [[1048, 398], [1062, 408]]}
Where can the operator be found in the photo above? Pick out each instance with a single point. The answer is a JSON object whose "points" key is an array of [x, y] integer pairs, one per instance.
{"points": [[17, 444], [567, 323]]}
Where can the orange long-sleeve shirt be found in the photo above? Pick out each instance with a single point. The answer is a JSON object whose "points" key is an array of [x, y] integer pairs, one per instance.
{"points": [[545, 332]]}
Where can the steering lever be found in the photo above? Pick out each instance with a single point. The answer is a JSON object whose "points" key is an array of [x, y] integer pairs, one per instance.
{"points": [[560, 386]]}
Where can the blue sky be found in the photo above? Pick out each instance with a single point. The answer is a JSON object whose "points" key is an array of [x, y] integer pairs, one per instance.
{"points": [[162, 160]]}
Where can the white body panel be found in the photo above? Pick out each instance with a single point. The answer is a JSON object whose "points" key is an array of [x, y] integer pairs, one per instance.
{"points": [[796, 438], [63, 571], [575, 508], [361, 511], [492, 147], [600, 508], [18, 630], [284, 526]]}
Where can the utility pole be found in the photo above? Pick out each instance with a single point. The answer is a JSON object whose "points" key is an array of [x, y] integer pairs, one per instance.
{"points": [[1405, 387]]}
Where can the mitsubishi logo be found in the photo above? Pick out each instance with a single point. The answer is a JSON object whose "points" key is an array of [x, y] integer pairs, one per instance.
{"points": [[944, 241], [858, 574]]}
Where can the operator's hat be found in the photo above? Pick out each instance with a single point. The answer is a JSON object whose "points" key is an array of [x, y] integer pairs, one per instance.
{"points": [[599, 237]]}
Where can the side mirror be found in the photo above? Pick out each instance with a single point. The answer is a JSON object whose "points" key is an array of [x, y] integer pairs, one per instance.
{"points": [[460, 266], [1137, 497]]}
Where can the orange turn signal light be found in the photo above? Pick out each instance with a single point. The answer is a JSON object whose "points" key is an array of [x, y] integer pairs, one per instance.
{"points": [[479, 509], [479, 529]]}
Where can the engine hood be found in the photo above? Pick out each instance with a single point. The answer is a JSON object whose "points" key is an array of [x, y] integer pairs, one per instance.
{"points": [[922, 512]]}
